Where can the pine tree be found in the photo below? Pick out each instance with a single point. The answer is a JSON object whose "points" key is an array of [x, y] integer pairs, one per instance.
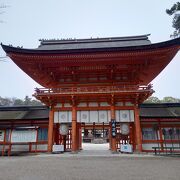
{"points": [[175, 11]]}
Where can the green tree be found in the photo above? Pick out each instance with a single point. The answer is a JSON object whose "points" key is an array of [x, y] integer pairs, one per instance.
{"points": [[27, 100], [167, 99], [5, 101], [36, 103], [175, 11], [170, 99], [18, 102], [152, 99]]}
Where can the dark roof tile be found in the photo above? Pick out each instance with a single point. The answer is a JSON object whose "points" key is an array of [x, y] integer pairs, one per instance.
{"points": [[110, 42], [24, 112], [169, 110], [166, 110]]}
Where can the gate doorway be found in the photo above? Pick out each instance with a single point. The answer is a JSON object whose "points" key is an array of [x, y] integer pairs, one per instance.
{"points": [[95, 133], [95, 136]]}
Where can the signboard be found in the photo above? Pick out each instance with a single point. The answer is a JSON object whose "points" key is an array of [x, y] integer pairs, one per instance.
{"points": [[58, 148], [19, 136], [1, 135], [113, 128], [126, 148]]}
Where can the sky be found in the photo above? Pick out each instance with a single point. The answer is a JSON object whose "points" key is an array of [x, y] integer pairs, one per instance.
{"points": [[25, 22]]}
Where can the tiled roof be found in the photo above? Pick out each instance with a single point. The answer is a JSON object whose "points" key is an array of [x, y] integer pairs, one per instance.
{"points": [[110, 42], [12, 114], [24, 112], [37, 114], [168, 110]]}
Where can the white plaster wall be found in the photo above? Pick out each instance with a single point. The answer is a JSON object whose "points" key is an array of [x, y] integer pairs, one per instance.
{"points": [[40, 147], [149, 146]]}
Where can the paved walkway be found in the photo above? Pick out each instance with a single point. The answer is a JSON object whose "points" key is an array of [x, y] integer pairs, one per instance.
{"points": [[95, 149], [93, 163], [99, 150], [78, 167]]}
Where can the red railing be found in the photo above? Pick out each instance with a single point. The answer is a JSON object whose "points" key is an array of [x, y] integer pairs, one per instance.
{"points": [[93, 89]]}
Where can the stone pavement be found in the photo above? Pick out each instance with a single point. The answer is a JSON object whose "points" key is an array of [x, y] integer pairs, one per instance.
{"points": [[93, 163], [97, 150]]}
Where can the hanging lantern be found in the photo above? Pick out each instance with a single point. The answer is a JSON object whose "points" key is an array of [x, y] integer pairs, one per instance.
{"points": [[124, 128], [64, 129]]}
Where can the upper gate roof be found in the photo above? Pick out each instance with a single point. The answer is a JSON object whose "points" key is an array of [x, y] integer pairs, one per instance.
{"points": [[109, 42], [126, 60]]}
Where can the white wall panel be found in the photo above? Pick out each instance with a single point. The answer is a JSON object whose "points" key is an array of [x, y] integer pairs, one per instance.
{"points": [[132, 115], [63, 116], [119, 104], [58, 105], [104, 104], [148, 146], [128, 104], [124, 116], [94, 116], [67, 105], [23, 136], [93, 104], [19, 148], [70, 116], [109, 115], [103, 116], [84, 116], [117, 114], [82, 105], [56, 117], [78, 116]]}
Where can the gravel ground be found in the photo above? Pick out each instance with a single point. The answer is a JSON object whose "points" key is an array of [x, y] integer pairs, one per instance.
{"points": [[90, 167]]}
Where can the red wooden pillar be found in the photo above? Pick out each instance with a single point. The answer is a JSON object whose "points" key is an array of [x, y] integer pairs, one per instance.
{"points": [[109, 135], [113, 139], [77, 136], [74, 129], [80, 137], [160, 136], [138, 130], [50, 130], [57, 133]]}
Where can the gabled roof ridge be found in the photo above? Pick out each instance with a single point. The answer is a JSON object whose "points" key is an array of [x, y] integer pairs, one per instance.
{"points": [[160, 105], [92, 40], [21, 108]]}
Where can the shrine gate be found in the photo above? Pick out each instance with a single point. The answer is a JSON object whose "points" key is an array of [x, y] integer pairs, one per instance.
{"points": [[94, 85]]}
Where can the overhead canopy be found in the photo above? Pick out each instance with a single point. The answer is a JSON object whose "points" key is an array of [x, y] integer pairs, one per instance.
{"points": [[121, 60]]}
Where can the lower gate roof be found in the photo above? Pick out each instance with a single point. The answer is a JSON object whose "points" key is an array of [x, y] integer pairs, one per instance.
{"points": [[167, 110]]}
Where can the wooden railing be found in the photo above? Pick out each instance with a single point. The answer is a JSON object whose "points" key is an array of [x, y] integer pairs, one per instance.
{"points": [[92, 89]]}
